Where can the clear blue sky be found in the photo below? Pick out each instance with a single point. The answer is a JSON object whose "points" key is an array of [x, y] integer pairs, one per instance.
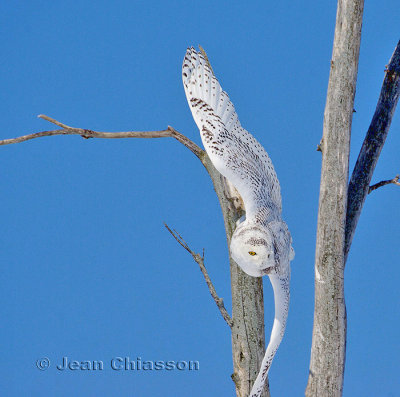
{"points": [[88, 270]]}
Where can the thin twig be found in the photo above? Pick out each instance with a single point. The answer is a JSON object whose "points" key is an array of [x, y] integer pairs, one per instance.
{"points": [[51, 120], [395, 180], [84, 133], [199, 259]]}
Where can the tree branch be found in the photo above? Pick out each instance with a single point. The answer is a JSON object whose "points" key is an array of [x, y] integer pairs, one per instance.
{"points": [[199, 259], [247, 322], [395, 180], [372, 145], [84, 133]]}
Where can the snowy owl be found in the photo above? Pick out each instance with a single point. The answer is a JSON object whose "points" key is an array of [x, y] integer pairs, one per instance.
{"points": [[261, 243]]}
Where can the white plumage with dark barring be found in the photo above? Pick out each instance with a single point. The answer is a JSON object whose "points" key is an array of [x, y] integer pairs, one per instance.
{"points": [[261, 244]]}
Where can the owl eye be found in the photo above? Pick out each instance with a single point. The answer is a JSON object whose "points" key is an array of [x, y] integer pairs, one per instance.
{"points": [[252, 253]]}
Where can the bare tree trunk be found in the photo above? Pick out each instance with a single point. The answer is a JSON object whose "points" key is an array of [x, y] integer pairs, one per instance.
{"points": [[329, 331], [248, 337]]}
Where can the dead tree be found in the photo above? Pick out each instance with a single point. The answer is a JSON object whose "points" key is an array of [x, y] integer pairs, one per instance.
{"points": [[335, 225], [340, 203]]}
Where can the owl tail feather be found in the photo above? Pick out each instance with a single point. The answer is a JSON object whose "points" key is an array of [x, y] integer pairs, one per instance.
{"points": [[281, 287]]}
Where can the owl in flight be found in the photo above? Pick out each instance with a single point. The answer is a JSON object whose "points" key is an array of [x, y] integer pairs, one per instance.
{"points": [[261, 243]]}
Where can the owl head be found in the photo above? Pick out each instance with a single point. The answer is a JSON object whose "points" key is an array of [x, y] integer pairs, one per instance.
{"points": [[261, 250]]}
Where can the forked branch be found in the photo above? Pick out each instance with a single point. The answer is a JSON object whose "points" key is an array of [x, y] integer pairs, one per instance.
{"points": [[199, 259]]}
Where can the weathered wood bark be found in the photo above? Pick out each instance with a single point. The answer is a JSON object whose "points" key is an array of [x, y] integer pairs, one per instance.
{"points": [[329, 331], [248, 337], [372, 145]]}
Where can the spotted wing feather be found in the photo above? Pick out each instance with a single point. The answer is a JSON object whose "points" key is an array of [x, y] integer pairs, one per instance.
{"points": [[234, 151]]}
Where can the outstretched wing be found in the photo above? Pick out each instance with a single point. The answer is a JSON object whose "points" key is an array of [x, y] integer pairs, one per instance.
{"points": [[235, 153]]}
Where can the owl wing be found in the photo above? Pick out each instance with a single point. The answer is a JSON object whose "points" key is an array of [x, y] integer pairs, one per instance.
{"points": [[235, 153]]}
